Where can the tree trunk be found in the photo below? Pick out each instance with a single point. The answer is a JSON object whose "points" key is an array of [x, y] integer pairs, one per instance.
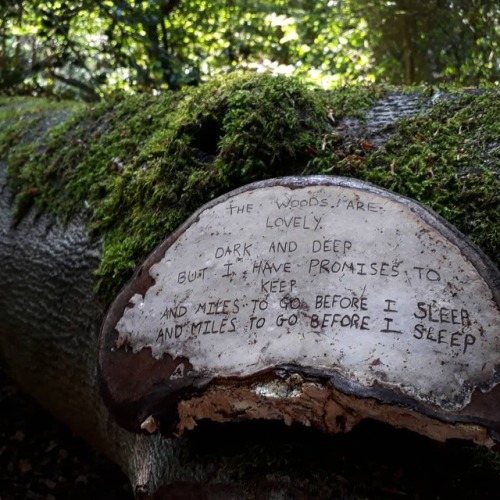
{"points": [[50, 320]]}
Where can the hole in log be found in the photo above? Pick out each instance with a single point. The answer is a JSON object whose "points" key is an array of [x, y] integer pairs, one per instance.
{"points": [[206, 139]]}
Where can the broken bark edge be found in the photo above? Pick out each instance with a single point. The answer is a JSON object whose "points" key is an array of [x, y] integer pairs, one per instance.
{"points": [[294, 396], [311, 404]]}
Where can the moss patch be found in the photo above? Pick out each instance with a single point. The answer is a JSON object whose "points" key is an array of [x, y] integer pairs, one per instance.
{"points": [[447, 158], [22, 119], [140, 166]]}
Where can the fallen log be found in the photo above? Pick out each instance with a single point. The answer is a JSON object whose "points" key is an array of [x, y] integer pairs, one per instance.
{"points": [[63, 257]]}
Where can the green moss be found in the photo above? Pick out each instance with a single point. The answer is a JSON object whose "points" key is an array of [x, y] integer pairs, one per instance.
{"points": [[447, 158], [140, 166]]}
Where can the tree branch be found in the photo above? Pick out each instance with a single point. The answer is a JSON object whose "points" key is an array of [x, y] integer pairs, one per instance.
{"points": [[73, 82]]}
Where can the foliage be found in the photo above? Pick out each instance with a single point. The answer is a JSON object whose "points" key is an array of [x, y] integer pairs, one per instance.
{"points": [[433, 40], [142, 165], [85, 48]]}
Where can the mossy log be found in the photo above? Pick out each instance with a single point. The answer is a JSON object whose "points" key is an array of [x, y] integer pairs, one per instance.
{"points": [[87, 192]]}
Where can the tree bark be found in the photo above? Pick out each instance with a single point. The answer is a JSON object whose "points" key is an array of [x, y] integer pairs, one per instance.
{"points": [[50, 321], [49, 326]]}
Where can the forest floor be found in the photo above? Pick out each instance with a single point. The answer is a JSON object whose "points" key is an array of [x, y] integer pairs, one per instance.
{"points": [[41, 460]]}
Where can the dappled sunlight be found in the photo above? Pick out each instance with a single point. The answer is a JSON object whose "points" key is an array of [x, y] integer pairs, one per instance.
{"points": [[87, 50]]}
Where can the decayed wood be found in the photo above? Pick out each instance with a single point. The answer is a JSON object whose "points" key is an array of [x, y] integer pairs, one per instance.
{"points": [[49, 325], [296, 401]]}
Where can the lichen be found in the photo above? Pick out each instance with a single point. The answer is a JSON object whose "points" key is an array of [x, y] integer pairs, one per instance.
{"points": [[139, 166]]}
